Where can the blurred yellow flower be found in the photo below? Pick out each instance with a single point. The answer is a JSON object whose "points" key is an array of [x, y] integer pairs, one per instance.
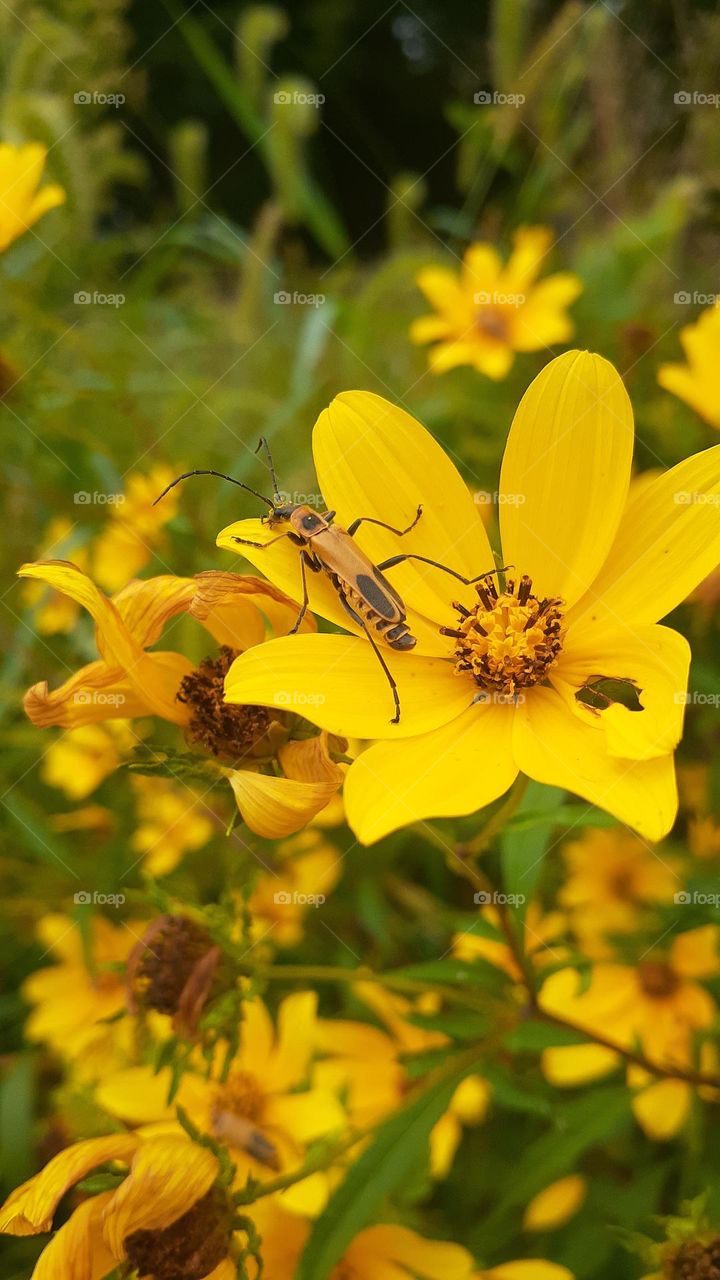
{"points": [[658, 1005], [502, 680], [541, 932], [72, 999], [130, 680], [171, 1204], [488, 311], [134, 530], [170, 823], [555, 1205], [611, 874], [21, 203], [525, 1269], [696, 382], [306, 871], [52, 610], [263, 1111], [79, 760]]}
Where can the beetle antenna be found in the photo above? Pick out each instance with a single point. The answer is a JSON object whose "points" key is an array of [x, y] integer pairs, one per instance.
{"points": [[263, 444], [220, 476]]}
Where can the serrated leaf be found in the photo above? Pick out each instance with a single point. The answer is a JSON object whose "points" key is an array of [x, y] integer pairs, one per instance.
{"points": [[390, 1160]]}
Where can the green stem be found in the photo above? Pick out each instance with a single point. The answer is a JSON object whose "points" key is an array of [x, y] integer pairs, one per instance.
{"points": [[328, 973], [499, 819]]}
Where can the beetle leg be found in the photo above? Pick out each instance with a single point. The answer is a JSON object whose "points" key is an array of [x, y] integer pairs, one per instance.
{"points": [[400, 533], [390, 678], [389, 564], [305, 597], [245, 542]]}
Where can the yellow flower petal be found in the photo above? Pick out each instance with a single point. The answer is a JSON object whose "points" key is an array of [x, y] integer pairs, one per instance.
{"points": [[526, 1269], [553, 746], [295, 1040], [667, 542], [531, 246], [77, 1251], [337, 683], [554, 1205], [308, 760], [542, 320], [662, 1108], [308, 1116], [431, 1259], [146, 607], [373, 459], [695, 953], [565, 474], [92, 694], [277, 807], [429, 329], [167, 1177], [456, 769], [656, 659], [577, 1064], [443, 291], [235, 608], [30, 1208], [444, 1142], [481, 268]]}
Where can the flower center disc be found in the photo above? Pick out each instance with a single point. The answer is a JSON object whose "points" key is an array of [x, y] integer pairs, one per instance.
{"points": [[658, 980], [190, 1248], [242, 1095], [510, 639], [216, 725]]}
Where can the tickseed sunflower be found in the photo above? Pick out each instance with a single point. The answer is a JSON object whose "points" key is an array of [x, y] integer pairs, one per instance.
{"points": [[169, 1216], [696, 382], [560, 673], [658, 1005], [488, 311], [279, 782], [21, 203], [263, 1111]]}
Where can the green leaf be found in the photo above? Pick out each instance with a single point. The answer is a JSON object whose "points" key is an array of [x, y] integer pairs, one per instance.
{"points": [[533, 1037], [456, 973], [399, 1145], [523, 851]]}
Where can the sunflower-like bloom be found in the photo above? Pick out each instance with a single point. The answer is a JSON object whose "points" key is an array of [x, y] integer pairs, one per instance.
{"points": [[696, 382], [561, 674], [21, 203], [488, 311], [659, 1005], [74, 1006], [282, 783], [170, 1214], [263, 1111]]}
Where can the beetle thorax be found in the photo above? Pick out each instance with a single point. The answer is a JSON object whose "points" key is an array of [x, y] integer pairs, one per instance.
{"points": [[509, 640]]}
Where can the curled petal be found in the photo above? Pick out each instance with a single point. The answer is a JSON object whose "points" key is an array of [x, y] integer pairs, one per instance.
{"points": [[77, 1251], [235, 608], [167, 1177], [309, 760], [277, 807], [30, 1208]]}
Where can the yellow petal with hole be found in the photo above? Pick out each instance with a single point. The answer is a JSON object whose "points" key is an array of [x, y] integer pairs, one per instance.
{"points": [[556, 1204], [277, 807], [656, 660], [552, 745], [29, 1208], [565, 474], [373, 459], [456, 769], [167, 1177], [337, 683], [667, 542]]}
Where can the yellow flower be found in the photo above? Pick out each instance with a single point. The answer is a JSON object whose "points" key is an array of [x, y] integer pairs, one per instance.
{"points": [[502, 681], [525, 1269], [21, 204], [696, 382], [658, 1005], [72, 999], [262, 1111], [83, 757], [489, 311], [129, 680], [171, 1203], [383, 1252], [133, 532], [171, 823], [307, 869], [610, 874], [540, 933], [555, 1205], [54, 612]]}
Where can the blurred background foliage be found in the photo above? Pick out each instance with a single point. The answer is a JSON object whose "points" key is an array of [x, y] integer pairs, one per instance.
{"points": [[192, 203]]}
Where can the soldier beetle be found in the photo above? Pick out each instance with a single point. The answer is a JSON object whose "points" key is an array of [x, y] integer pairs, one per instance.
{"points": [[324, 547]]}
